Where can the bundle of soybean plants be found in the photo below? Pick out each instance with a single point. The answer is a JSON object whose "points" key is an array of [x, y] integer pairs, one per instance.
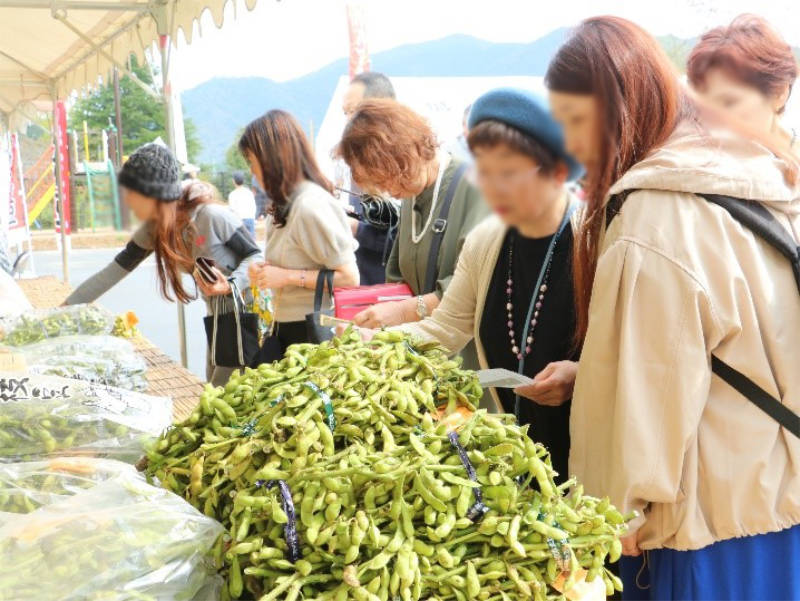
{"points": [[361, 470]]}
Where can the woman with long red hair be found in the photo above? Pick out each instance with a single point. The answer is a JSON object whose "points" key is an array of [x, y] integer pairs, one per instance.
{"points": [[669, 285], [180, 225]]}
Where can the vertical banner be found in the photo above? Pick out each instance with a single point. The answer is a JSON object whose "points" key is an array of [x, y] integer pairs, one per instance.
{"points": [[62, 156], [357, 30], [17, 216]]}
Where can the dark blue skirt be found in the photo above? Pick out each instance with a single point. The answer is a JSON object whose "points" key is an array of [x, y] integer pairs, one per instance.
{"points": [[754, 568]]}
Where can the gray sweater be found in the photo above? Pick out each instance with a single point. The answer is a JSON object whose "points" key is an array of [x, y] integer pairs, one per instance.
{"points": [[220, 236]]}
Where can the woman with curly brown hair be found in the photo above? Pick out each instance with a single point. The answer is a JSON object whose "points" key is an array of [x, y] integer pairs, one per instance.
{"points": [[391, 150]]}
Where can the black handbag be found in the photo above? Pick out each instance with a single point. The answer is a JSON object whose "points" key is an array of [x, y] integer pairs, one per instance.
{"points": [[233, 336], [316, 331]]}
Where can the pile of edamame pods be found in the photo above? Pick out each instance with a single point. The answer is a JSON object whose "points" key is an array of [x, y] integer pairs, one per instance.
{"points": [[350, 470]]}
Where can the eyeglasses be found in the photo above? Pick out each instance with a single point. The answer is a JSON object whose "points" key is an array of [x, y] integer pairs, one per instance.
{"points": [[506, 181]]}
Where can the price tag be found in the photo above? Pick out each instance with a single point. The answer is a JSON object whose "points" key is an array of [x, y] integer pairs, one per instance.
{"points": [[501, 378]]}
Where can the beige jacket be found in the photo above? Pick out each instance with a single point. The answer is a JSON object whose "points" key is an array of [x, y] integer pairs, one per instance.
{"points": [[316, 236], [677, 280], [457, 318]]}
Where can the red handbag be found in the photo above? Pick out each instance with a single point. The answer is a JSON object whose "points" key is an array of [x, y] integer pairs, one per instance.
{"points": [[348, 302]]}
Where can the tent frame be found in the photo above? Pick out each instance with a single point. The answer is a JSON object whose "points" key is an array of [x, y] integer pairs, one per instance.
{"points": [[164, 19]]}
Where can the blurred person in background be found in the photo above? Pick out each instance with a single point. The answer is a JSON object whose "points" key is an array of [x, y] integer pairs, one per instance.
{"points": [[374, 244], [306, 229], [391, 150], [242, 202], [669, 285], [747, 70], [262, 202], [181, 221], [459, 146], [512, 288]]}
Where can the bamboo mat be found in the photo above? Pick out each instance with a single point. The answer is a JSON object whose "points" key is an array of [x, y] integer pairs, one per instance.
{"points": [[164, 376]]}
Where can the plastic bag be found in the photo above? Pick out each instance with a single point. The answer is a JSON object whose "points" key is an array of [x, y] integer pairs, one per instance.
{"points": [[41, 416], [50, 323], [262, 306], [121, 540], [24, 487], [101, 359]]}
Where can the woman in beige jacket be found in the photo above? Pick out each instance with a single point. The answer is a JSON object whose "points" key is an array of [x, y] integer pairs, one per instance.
{"points": [[676, 280], [512, 289]]}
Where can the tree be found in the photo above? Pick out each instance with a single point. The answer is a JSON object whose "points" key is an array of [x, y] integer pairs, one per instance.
{"points": [[142, 115], [233, 158]]}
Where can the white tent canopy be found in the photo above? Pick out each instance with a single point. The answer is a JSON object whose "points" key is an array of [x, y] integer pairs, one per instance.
{"points": [[48, 48], [52, 47]]}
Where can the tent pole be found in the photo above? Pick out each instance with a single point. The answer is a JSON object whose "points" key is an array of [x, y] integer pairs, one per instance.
{"points": [[59, 191], [163, 43]]}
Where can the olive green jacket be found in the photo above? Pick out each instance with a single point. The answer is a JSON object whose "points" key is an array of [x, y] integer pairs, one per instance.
{"points": [[408, 262]]}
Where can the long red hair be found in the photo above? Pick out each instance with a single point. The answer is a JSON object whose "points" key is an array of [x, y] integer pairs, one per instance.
{"points": [[640, 101], [173, 237]]}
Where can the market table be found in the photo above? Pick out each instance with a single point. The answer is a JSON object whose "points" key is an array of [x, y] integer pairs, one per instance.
{"points": [[165, 377]]}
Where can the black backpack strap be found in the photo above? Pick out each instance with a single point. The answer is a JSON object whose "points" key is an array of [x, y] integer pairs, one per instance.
{"points": [[614, 205], [439, 226], [757, 218], [757, 395]]}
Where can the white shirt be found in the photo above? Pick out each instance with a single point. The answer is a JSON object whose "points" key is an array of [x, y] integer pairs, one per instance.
{"points": [[242, 202]]}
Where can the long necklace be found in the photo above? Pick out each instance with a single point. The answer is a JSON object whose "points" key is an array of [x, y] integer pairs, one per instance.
{"points": [[415, 238], [537, 299], [518, 352]]}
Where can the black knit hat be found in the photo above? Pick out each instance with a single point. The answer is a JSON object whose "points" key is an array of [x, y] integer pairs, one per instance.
{"points": [[153, 171]]}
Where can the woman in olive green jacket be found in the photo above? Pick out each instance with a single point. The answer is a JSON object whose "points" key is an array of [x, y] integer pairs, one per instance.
{"points": [[391, 150]]}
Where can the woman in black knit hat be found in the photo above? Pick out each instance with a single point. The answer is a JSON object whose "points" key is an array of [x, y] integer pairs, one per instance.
{"points": [[179, 224]]}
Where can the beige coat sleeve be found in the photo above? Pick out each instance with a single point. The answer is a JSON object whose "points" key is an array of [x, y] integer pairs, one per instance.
{"points": [[452, 323], [643, 379]]}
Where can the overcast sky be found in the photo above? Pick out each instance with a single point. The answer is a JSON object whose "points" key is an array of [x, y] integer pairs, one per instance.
{"points": [[286, 39]]}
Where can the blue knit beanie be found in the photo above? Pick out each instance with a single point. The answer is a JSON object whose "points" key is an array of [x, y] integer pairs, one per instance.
{"points": [[528, 113]]}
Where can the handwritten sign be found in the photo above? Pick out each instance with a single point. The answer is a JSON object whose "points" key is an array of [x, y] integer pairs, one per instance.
{"points": [[21, 389]]}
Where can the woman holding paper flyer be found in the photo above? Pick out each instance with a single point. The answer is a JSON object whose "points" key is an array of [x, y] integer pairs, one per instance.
{"points": [[512, 288]]}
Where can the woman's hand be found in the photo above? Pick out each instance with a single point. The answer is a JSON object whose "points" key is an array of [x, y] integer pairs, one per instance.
{"points": [[630, 545], [266, 276], [382, 315], [219, 288], [552, 386]]}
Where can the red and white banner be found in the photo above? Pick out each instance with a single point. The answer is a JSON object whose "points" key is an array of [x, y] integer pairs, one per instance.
{"points": [[357, 30], [17, 216], [62, 156]]}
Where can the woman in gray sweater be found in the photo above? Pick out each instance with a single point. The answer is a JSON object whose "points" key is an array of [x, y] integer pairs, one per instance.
{"points": [[179, 225]]}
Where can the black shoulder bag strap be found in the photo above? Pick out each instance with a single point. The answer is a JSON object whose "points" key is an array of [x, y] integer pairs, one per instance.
{"points": [[763, 224], [439, 226], [324, 279]]}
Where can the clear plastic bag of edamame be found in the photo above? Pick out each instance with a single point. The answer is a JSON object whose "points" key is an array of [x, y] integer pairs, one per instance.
{"points": [[26, 486], [100, 359], [45, 416], [121, 540], [41, 324]]}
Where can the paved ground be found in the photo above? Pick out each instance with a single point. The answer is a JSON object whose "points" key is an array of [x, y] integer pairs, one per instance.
{"points": [[138, 293]]}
